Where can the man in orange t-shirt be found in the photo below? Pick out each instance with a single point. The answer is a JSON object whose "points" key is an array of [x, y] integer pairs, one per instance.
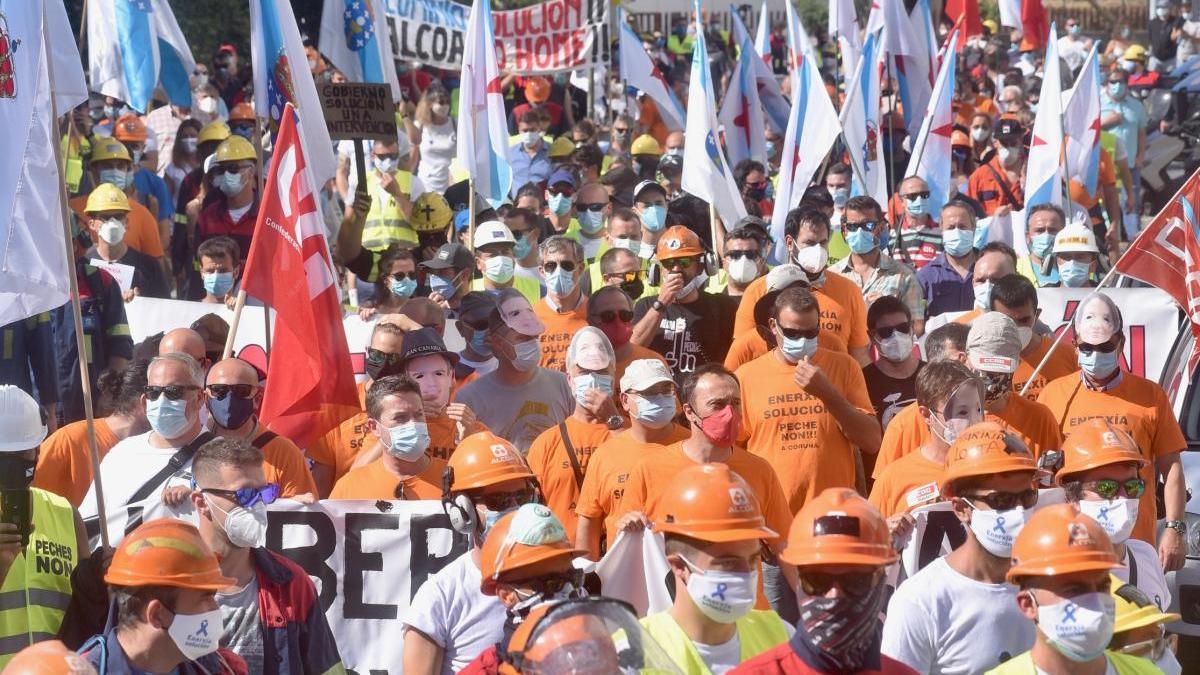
{"points": [[806, 408], [843, 311], [1138, 406], [404, 470], [559, 455], [564, 308], [648, 398], [1016, 297]]}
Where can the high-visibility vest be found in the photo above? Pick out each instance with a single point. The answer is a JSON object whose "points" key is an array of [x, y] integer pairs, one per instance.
{"points": [[528, 287], [37, 589], [758, 631], [1123, 664], [386, 224]]}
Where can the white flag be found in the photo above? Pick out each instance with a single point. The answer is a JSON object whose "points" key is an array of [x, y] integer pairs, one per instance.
{"points": [[482, 127], [638, 71], [769, 93], [931, 151], [1043, 170], [860, 123], [800, 46], [356, 38], [1081, 125], [741, 109], [33, 252], [134, 45]]}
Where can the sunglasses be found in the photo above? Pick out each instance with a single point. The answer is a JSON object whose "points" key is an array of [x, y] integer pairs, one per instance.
{"points": [[885, 332], [560, 191], [855, 584], [405, 275], [673, 264], [1005, 501], [797, 333], [228, 169], [748, 255], [376, 356], [1111, 488], [595, 207], [623, 277], [550, 266], [174, 392], [220, 391], [248, 496], [388, 156], [1152, 649], [913, 195], [1104, 348], [758, 186], [609, 315], [503, 501], [862, 224]]}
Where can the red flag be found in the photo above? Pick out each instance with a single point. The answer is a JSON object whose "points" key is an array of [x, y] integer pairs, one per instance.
{"points": [[1166, 254], [1035, 27], [964, 15], [310, 385]]}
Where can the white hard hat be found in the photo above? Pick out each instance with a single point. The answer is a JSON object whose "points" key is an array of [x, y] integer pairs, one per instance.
{"points": [[1076, 238], [21, 426], [493, 232]]}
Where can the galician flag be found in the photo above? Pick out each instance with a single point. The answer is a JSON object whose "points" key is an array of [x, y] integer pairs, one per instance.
{"points": [[860, 123], [1081, 125], [931, 151], [355, 37], [134, 45], [639, 72], [741, 109], [1043, 170], [482, 125]]}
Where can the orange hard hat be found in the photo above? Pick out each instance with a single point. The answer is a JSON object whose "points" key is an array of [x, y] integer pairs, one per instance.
{"points": [[524, 544], [578, 643], [985, 449], [537, 89], [128, 128], [242, 112], [710, 502], [960, 138], [50, 657], [1097, 443], [839, 527], [678, 241], [166, 552], [1059, 539], [485, 459]]}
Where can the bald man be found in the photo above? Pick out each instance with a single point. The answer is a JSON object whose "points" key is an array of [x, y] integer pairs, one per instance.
{"points": [[185, 341], [234, 397]]}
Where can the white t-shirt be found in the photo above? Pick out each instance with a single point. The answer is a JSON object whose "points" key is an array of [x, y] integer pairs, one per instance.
{"points": [[721, 658], [438, 145], [450, 609], [1150, 578], [939, 621]]}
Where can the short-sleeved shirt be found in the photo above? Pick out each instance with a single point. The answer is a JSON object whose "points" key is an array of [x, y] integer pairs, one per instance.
{"points": [[1063, 361], [843, 311], [1134, 120], [519, 413], [141, 230], [148, 276], [793, 430], [693, 334], [549, 459], [906, 483], [452, 611], [749, 346], [888, 278], [375, 481], [889, 395], [1136, 405], [338, 448], [284, 465], [64, 464], [560, 328], [944, 288]]}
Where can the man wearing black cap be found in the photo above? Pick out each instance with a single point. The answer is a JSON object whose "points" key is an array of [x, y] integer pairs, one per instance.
{"points": [[476, 358], [449, 275], [997, 184]]}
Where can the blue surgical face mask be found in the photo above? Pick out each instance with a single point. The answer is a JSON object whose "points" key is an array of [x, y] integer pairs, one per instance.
{"points": [[218, 283], [1074, 273], [1098, 364], [408, 442], [402, 288], [1041, 244], [958, 243], [770, 148], [591, 222], [1075, 30], [118, 177], [655, 218], [840, 197], [655, 410], [861, 241], [522, 247], [441, 286], [584, 383], [559, 204], [798, 349], [983, 295], [166, 417], [479, 344], [560, 283], [230, 183], [1116, 89], [917, 206]]}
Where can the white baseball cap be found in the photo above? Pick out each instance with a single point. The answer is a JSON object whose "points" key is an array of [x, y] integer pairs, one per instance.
{"points": [[783, 276], [642, 374], [492, 232]]}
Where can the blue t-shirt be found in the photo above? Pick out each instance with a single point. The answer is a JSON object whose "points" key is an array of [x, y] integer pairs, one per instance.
{"points": [[146, 182]]}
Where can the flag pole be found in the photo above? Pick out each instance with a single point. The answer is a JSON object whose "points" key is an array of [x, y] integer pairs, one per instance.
{"points": [[76, 311], [258, 174], [471, 212], [233, 325]]}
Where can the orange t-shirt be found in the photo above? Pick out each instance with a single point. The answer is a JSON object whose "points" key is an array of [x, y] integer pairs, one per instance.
{"points": [[64, 464], [1032, 421], [1138, 406], [339, 446], [442, 433], [1106, 176], [793, 430], [560, 328], [551, 464], [284, 465], [608, 474], [906, 483], [374, 481], [141, 232], [749, 346], [968, 316], [989, 192], [362, 392], [1063, 361], [843, 311]]}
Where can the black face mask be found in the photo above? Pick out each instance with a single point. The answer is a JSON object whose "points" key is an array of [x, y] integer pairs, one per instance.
{"points": [[231, 412], [633, 289], [378, 369]]}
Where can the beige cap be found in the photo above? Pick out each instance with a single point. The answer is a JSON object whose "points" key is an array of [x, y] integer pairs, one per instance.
{"points": [[994, 345], [783, 276], [642, 374]]}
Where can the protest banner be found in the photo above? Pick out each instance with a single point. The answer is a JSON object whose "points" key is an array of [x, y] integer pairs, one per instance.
{"points": [[547, 37], [358, 110]]}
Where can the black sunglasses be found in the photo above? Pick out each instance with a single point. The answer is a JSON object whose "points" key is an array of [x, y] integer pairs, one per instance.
{"points": [[593, 207], [550, 266], [885, 332], [405, 275], [561, 191], [609, 315], [173, 392], [748, 255], [672, 264], [913, 195], [797, 333], [220, 391], [856, 584], [1005, 501], [853, 227], [376, 356], [502, 501], [1104, 348], [228, 169]]}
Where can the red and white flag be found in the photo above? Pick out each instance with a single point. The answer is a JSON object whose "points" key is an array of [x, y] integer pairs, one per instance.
{"points": [[310, 384], [1166, 255]]}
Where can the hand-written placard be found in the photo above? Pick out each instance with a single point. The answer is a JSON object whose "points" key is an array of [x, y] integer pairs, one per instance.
{"points": [[355, 110]]}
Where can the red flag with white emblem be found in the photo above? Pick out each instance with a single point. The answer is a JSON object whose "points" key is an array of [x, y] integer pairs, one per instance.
{"points": [[310, 384]]}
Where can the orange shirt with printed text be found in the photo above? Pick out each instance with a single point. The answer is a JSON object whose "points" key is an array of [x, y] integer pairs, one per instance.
{"points": [[906, 483], [843, 310], [560, 328], [749, 346], [1063, 361], [284, 465], [551, 463]]}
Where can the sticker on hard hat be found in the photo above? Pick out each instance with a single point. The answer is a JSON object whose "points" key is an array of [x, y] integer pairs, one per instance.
{"points": [[739, 501], [673, 244], [500, 454], [1077, 535], [443, 255]]}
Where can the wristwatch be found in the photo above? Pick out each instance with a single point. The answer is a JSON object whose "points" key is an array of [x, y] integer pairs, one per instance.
{"points": [[1177, 525], [615, 422], [657, 305]]}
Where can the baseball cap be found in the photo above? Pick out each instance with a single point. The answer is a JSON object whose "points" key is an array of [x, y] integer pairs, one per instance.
{"points": [[590, 349], [779, 279], [513, 310], [993, 344], [424, 342], [641, 374], [752, 222], [647, 184], [783, 276], [462, 221], [561, 176], [1009, 129], [493, 232], [1097, 319], [450, 256], [678, 242], [475, 307]]}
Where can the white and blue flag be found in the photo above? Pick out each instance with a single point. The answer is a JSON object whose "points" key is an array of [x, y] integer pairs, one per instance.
{"points": [[135, 45]]}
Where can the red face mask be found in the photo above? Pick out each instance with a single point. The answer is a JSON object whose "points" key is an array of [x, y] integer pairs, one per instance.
{"points": [[618, 332], [722, 427]]}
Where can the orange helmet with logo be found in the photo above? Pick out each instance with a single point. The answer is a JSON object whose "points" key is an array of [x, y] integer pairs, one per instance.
{"points": [[839, 527], [485, 459], [50, 657], [985, 449], [710, 502], [537, 89], [1097, 443], [166, 552], [678, 241], [130, 128], [524, 544], [242, 112], [1059, 539]]}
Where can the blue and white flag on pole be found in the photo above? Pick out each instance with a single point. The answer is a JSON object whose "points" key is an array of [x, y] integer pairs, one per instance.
{"points": [[35, 41], [860, 123], [769, 93], [133, 46], [800, 46], [354, 36], [1081, 125], [281, 76], [639, 72], [931, 151], [482, 125], [1043, 170], [706, 174], [741, 110]]}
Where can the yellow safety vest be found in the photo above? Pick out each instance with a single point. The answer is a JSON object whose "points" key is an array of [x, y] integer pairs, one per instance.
{"points": [[530, 288], [386, 224], [35, 594], [1124, 664], [757, 632]]}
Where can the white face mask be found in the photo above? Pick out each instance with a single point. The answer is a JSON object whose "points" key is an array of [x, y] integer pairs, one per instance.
{"points": [[112, 232], [897, 347], [743, 270], [527, 355], [1116, 516], [1026, 334], [1079, 628], [723, 597], [1169, 664], [245, 528], [631, 245], [812, 259], [207, 105], [197, 635], [996, 530]]}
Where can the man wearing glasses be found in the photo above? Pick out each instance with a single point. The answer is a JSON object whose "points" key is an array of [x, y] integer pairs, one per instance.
{"points": [[1139, 407], [874, 272], [564, 309], [230, 493]]}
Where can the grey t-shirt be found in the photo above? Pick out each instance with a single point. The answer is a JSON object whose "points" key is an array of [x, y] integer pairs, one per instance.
{"points": [[518, 414], [243, 630]]}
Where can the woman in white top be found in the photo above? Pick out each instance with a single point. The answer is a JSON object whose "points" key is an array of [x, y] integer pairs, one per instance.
{"points": [[183, 156], [434, 134]]}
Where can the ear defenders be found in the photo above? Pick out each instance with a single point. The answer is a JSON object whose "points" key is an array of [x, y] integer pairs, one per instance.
{"points": [[458, 508]]}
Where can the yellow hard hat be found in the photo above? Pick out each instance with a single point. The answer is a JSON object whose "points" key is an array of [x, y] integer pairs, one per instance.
{"points": [[214, 131], [1135, 609], [107, 197], [561, 147], [991, 25], [109, 148], [233, 149], [1134, 53], [645, 145], [430, 213]]}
